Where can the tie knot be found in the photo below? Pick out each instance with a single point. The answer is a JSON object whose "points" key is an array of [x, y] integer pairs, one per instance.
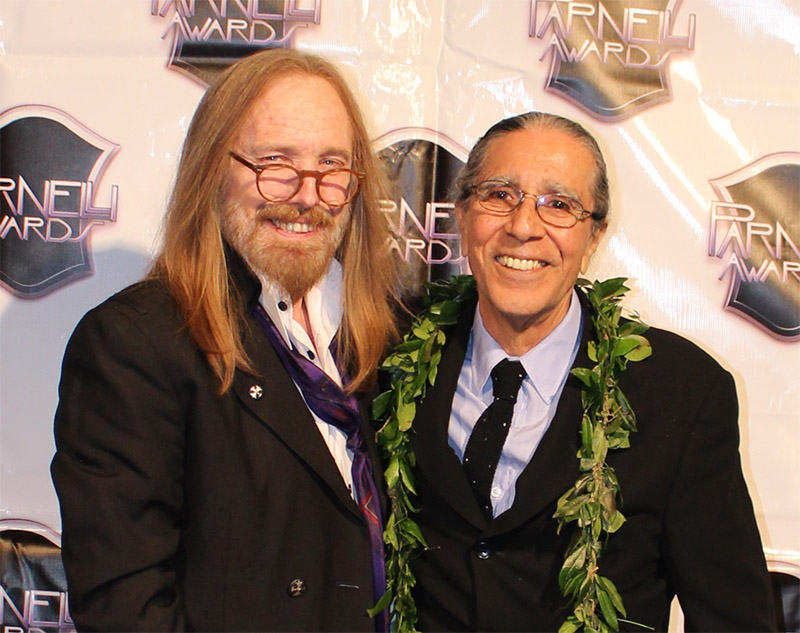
{"points": [[507, 376]]}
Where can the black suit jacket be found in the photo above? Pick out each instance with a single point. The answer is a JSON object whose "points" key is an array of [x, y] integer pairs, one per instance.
{"points": [[690, 527], [183, 509]]}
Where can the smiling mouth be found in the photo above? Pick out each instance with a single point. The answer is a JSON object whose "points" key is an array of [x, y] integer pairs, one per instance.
{"points": [[520, 264], [293, 227]]}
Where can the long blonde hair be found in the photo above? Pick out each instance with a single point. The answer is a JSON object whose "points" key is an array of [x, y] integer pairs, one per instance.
{"points": [[193, 263]]}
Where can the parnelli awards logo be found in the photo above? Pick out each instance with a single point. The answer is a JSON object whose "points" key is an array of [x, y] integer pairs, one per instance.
{"points": [[50, 167], [755, 231], [421, 165], [610, 57], [35, 611], [209, 35]]}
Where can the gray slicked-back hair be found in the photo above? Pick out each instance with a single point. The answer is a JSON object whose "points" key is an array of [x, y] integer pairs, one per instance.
{"points": [[468, 177]]}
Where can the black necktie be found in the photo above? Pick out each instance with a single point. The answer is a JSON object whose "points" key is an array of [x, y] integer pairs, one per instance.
{"points": [[486, 442]]}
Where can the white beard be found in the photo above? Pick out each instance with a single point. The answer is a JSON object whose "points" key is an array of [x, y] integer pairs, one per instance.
{"points": [[294, 265]]}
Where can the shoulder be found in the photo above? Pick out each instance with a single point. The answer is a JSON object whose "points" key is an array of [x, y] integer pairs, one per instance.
{"points": [[672, 350], [143, 319], [147, 298], [678, 366], [146, 304]]}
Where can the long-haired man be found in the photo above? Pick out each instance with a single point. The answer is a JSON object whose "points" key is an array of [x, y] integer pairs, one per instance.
{"points": [[214, 466]]}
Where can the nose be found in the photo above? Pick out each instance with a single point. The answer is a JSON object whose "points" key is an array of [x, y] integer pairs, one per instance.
{"points": [[524, 222], [306, 195]]}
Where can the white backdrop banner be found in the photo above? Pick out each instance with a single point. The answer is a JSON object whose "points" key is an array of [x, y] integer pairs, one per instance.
{"points": [[696, 105]]}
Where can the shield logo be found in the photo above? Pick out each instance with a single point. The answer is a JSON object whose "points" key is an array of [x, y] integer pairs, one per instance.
{"points": [[609, 58], [49, 163], [763, 239], [208, 38], [422, 166]]}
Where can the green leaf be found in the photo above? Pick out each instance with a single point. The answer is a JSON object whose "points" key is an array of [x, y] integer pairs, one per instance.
{"points": [[406, 346], [405, 414], [412, 532], [609, 612], [379, 405], [570, 625], [449, 310], [572, 506], [644, 350], [613, 594], [425, 353], [625, 345], [387, 432], [599, 444], [390, 534], [434, 369], [383, 603], [574, 562], [407, 476], [586, 376], [423, 329], [392, 472]]}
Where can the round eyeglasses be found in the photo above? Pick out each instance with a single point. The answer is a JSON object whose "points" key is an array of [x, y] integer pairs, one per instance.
{"points": [[502, 198], [279, 182]]}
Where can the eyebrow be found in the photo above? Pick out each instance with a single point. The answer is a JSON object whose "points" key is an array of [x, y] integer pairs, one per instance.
{"points": [[267, 150], [550, 186]]}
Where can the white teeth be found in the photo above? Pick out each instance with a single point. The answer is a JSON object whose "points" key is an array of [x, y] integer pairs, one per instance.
{"points": [[293, 227], [520, 264]]}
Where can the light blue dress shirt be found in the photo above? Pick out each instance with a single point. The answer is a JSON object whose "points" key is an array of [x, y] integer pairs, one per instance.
{"points": [[547, 365]]}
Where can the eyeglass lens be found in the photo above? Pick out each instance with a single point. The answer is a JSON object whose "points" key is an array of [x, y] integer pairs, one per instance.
{"points": [[280, 182], [553, 208]]}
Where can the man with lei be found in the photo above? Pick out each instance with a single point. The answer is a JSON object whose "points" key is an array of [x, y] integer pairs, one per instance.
{"points": [[551, 465]]}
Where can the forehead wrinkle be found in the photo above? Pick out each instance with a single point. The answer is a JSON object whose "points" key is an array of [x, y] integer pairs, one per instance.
{"points": [[263, 150], [547, 186]]}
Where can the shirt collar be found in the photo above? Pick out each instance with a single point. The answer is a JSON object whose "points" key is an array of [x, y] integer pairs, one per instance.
{"points": [[323, 301], [546, 363]]}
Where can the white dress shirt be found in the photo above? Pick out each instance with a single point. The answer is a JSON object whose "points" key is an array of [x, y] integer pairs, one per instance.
{"points": [[547, 365], [324, 307]]}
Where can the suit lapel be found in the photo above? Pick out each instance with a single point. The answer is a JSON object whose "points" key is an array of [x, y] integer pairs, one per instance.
{"points": [[435, 459], [554, 466], [272, 397]]}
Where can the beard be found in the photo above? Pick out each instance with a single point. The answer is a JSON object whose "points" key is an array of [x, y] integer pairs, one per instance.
{"points": [[295, 265]]}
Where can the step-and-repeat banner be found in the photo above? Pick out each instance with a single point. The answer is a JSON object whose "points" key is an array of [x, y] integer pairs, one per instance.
{"points": [[696, 105]]}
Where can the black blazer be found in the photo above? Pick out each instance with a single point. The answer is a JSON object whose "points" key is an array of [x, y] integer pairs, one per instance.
{"points": [[183, 509], [690, 527]]}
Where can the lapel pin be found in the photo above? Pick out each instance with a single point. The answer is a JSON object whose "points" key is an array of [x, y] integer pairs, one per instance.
{"points": [[256, 392]]}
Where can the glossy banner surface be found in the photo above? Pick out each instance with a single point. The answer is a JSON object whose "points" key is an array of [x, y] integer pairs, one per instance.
{"points": [[696, 105]]}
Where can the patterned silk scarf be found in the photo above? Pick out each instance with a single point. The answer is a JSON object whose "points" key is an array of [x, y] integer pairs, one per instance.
{"points": [[330, 403]]}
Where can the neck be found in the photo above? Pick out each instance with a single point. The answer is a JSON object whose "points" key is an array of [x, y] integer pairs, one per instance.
{"points": [[300, 315], [519, 334]]}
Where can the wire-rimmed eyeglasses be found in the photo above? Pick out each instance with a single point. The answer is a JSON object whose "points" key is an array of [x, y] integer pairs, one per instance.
{"points": [[280, 182], [502, 198]]}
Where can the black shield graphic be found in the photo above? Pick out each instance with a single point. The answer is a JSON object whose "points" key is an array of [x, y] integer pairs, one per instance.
{"points": [[37, 145], [422, 166], [610, 78], [214, 36], [771, 188]]}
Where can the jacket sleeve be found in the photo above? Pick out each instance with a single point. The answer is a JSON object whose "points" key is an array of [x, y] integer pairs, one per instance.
{"points": [[118, 473], [712, 544]]}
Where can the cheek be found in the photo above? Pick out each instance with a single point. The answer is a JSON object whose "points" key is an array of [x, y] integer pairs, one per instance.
{"points": [[241, 188]]}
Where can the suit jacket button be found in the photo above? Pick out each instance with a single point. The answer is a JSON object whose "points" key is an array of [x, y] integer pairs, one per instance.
{"points": [[296, 588], [483, 550]]}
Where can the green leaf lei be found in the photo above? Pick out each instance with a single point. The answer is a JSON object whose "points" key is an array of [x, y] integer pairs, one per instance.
{"points": [[607, 422]]}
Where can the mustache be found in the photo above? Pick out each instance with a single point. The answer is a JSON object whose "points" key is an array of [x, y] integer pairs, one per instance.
{"points": [[317, 215]]}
